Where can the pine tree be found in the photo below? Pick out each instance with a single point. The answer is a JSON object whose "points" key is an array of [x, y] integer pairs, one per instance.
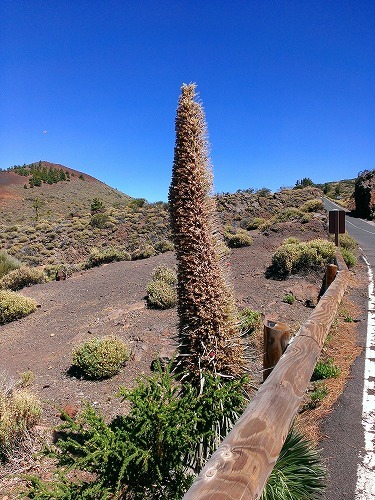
{"points": [[207, 324]]}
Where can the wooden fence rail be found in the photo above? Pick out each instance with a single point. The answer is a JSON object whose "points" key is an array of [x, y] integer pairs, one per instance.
{"points": [[240, 467]]}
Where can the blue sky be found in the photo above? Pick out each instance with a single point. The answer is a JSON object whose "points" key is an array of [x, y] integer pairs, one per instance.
{"points": [[288, 88]]}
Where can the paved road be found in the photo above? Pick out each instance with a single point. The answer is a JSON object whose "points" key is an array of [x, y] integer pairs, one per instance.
{"points": [[349, 447]]}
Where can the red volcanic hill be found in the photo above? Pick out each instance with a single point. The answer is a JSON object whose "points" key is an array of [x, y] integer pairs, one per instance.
{"points": [[69, 189]]}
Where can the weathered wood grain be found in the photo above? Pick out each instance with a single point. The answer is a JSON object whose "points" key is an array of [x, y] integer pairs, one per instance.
{"points": [[240, 467]]}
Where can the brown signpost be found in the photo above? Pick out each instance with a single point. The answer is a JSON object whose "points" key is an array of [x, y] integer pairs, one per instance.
{"points": [[336, 223]]}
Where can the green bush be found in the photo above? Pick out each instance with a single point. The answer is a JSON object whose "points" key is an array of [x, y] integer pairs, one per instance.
{"points": [[110, 254], [164, 246], [349, 257], [101, 358], [14, 306], [143, 252], [165, 273], [298, 472], [325, 369], [151, 452], [99, 220], [296, 257], [8, 263], [20, 410], [249, 321], [312, 206], [289, 298], [316, 396], [255, 223], [161, 294], [347, 242], [239, 239], [24, 276]]}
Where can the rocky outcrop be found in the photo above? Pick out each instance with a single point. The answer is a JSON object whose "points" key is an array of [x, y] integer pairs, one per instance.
{"points": [[364, 194]]}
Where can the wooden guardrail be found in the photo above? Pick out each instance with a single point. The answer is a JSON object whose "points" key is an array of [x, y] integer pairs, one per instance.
{"points": [[240, 467]]}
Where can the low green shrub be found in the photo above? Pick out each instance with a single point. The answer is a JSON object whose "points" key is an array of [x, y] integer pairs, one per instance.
{"points": [[296, 257], [164, 246], [99, 220], [143, 252], [165, 273], [256, 223], [101, 358], [161, 295], [349, 257], [24, 276], [325, 369], [249, 321], [289, 298], [316, 396], [347, 242], [312, 206], [14, 306], [98, 257], [20, 410], [240, 238], [298, 473], [155, 449], [8, 263]]}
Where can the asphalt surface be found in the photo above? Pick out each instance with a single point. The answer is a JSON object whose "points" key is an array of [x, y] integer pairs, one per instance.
{"points": [[344, 445]]}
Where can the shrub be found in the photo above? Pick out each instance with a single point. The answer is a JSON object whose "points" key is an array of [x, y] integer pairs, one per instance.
{"points": [[99, 220], [143, 252], [347, 242], [165, 273], [298, 472], [14, 306], [349, 257], [101, 358], [20, 410], [254, 223], [151, 452], [164, 246], [295, 257], [161, 294], [24, 276], [316, 396], [249, 321], [109, 254], [7, 263], [312, 206], [291, 239], [289, 298], [240, 239], [325, 369]]}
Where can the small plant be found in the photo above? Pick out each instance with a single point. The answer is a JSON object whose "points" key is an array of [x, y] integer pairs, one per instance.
{"points": [[14, 306], [349, 257], [296, 257], [249, 321], [20, 410], [97, 206], [101, 358], [154, 449], [161, 291], [316, 396], [24, 276], [325, 369], [161, 295], [99, 220], [239, 239], [289, 298], [8, 263], [298, 472], [347, 242], [110, 254], [312, 206], [26, 379], [143, 252]]}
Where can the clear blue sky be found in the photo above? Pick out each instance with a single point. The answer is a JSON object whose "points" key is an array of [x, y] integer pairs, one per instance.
{"points": [[288, 88]]}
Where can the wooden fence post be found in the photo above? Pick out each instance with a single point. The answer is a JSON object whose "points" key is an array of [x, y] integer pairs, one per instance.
{"points": [[331, 271], [275, 340]]}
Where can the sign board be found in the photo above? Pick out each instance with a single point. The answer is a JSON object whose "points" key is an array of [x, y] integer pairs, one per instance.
{"points": [[336, 221]]}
